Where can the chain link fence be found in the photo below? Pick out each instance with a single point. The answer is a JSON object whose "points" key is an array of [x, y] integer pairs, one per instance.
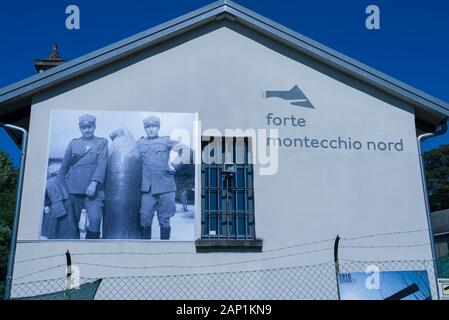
{"points": [[310, 282], [234, 279]]}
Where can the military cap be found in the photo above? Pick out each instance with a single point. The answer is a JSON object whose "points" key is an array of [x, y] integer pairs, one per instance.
{"points": [[151, 121], [87, 120]]}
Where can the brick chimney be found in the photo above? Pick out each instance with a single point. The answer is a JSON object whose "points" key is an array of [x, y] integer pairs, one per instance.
{"points": [[53, 60]]}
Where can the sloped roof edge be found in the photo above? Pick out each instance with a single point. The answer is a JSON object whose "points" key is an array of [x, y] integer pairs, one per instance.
{"points": [[29, 86]]}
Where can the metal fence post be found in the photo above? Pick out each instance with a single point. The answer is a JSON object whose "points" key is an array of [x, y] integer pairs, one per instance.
{"points": [[69, 275], [337, 266]]}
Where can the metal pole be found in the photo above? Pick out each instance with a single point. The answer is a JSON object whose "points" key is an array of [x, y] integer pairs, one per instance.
{"points": [[69, 275], [15, 224], [337, 266], [421, 138]]}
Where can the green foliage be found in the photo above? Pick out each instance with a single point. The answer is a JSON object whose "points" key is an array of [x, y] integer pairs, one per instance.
{"points": [[436, 165], [443, 267], [8, 181], [8, 173]]}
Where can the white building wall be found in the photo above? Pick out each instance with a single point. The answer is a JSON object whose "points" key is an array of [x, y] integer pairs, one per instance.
{"points": [[315, 195]]}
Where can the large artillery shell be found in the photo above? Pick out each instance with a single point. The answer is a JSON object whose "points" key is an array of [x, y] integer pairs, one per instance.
{"points": [[122, 188]]}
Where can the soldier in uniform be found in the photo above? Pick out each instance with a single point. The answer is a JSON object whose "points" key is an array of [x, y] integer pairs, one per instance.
{"points": [[158, 182], [84, 168]]}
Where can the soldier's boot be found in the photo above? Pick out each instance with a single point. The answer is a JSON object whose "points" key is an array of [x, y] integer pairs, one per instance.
{"points": [[146, 233], [92, 235], [165, 233]]}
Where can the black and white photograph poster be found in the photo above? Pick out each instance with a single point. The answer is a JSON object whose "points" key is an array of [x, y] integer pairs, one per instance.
{"points": [[120, 175]]}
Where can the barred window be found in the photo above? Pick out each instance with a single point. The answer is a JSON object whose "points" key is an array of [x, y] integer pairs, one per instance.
{"points": [[227, 190]]}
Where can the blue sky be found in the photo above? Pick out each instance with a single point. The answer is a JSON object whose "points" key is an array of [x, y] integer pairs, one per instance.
{"points": [[412, 44]]}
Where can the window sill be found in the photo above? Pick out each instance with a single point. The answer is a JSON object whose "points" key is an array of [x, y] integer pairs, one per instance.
{"points": [[210, 245]]}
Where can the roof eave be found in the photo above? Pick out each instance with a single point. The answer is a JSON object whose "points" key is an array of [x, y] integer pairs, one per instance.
{"points": [[336, 59], [110, 53], [28, 87]]}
